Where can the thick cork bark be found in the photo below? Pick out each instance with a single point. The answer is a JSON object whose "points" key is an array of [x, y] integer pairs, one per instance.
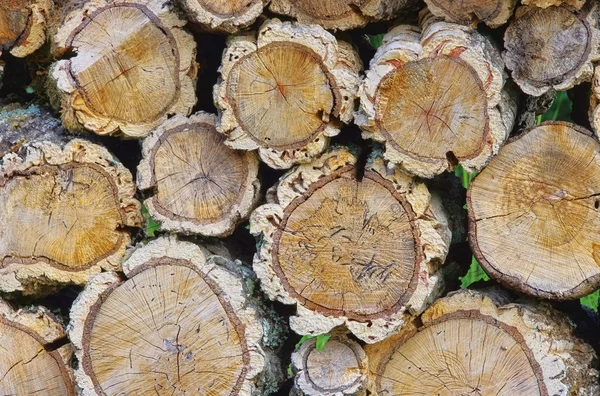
{"points": [[223, 16], [64, 215], [286, 91], [479, 343], [494, 13], [554, 3], [23, 26], [356, 247], [436, 98], [341, 14], [340, 369], [125, 66], [199, 185], [35, 355], [533, 213], [595, 102], [552, 48], [180, 321]]}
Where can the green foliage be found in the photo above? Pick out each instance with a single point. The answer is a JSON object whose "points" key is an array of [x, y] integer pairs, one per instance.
{"points": [[320, 342], [591, 301], [303, 340], [150, 226], [561, 109], [290, 373], [475, 274], [375, 40], [464, 176]]}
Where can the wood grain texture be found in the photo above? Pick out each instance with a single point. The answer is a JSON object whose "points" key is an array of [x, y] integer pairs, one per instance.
{"points": [[494, 13], [223, 16]]}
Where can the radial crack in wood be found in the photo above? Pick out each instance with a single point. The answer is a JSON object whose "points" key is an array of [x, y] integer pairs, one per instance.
{"points": [[130, 65], [223, 16], [341, 14], [339, 369], [23, 25], [350, 251], [552, 48], [436, 98], [180, 322], [286, 91], [477, 343], [200, 185], [64, 215], [29, 363], [494, 13], [533, 213]]}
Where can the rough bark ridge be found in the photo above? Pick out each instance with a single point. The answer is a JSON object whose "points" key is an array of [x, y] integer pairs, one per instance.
{"points": [[64, 215], [436, 98], [341, 14], [552, 48], [286, 91], [133, 65], [550, 3], [494, 13], [200, 185], [474, 342], [28, 362], [360, 251], [340, 369], [23, 26], [595, 102], [223, 16], [533, 213], [181, 322]]}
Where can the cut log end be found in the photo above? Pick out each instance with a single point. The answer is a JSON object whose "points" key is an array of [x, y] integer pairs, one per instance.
{"points": [[29, 361], [554, 3], [200, 185], [469, 343], [339, 369], [223, 16], [450, 94], [552, 48], [286, 92], [64, 215], [23, 25], [125, 80], [349, 250], [493, 13], [538, 201], [181, 313]]}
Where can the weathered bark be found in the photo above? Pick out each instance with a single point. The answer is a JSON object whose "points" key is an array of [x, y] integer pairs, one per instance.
{"points": [[478, 343], [133, 65], [341, 14], [594, 110], [63, 216], [34, 357], [286, 91], [436, 98], [550, 3], [223, 16], [493, 13], [200, 185], [339, 369], [533, 213], [23, 25], [360, 251], [182, 321], [552, 48]]}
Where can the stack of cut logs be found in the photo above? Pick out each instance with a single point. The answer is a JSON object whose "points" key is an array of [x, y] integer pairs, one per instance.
{"points": [[351, 235]]}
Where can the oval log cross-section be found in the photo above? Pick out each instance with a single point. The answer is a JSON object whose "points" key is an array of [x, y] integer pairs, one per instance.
{"points": [[200, 185], [23, 25], [64, 217], [285, 92], [223, 16], [493, 13], [533, 213], [180, 323], [346, 249], [132, 67]]}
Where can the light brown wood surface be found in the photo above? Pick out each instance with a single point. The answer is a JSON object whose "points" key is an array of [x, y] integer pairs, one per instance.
{"points": [[493, 13], [223, 16]]}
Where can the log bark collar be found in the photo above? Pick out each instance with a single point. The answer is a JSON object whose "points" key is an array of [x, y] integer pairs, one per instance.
{"points": [[23, 25], [493, 13], [533, 213], [223, 16], [133, 65]]}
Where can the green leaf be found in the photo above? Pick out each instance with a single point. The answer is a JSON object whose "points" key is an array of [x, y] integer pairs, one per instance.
{"points": [[151, 226], [290, 373], [464, 176], [561, 109], [475, 274], [321, 341], [375, 40], [303, 340], [591, 300]]}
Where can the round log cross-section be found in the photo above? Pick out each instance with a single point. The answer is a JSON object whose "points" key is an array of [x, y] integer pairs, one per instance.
{"points": [[64, 213], [346, 249], [439, 106], [493, 13], [133, 66], [223, 16], [286, 92], [475, 343], [200, 185], [533, 213], [23, 25], [179, 322]]}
